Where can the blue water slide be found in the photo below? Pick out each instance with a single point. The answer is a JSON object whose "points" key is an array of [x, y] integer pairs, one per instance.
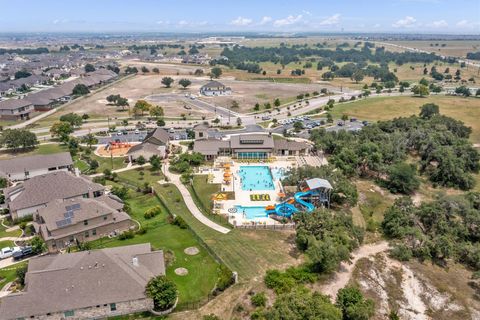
{"points": [[298, 198], [283, 209]]}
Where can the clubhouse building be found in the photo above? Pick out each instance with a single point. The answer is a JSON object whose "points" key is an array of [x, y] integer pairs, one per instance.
{"points": [[250, 146]]}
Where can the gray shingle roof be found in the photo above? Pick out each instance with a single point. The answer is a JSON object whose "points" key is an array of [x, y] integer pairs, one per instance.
{"points": [[250, 141], [45, 188], [57, 283], [283, 144], [22, 164], [12, 104]]}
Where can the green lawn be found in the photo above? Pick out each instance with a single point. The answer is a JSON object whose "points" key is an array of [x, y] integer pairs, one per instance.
{"points": [[386, 108], [135, 178], [6, 243], [172, 240], [109, 163], [41, 149], [4, 233], [9, 274], [250, 253], [205, 191]]}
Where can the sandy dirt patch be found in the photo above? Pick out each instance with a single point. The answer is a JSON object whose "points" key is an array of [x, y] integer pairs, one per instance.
{"points": [[191, 251], [181, 271]]}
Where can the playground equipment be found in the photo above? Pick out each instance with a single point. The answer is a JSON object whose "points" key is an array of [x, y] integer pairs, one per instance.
{"points": [[315, 193]]}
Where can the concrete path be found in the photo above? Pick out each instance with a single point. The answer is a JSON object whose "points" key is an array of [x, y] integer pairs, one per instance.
{"points": [[192, 207]]}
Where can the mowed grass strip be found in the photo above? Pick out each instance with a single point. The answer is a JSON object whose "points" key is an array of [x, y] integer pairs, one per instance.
{"points": [[249, 253], [386, 108]]}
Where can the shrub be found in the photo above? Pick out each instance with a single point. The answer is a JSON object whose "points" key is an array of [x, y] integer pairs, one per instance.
{"points": [[401, 252], [141, 231], [225, 278], [152, 212], [178, 221], [127, 235], [163, 292], [259, 299]]}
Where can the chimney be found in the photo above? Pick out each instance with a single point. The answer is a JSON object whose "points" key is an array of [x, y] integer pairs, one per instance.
{"points": [[77, 172], [135, 261]]}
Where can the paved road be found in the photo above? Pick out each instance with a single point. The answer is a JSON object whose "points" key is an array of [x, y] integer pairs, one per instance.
{"points": [[192, 207]]}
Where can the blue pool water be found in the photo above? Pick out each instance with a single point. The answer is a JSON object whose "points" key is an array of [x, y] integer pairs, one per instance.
{"points": [[256, 178], [252, 212]]}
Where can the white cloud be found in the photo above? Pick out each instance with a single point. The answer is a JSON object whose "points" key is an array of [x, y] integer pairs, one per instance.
{"points": [[335, 19], [58, 21], [162, 22], [465, 24], [377, 25], [288, 20], [406, 22], [240, 21], [439, 24], [183, 23], [265, 20]]}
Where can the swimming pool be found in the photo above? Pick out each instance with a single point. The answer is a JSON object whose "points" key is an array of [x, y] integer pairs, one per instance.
{"points": [[256, 178], [252, 213]]}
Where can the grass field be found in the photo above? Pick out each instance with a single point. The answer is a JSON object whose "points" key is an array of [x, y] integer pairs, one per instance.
{"points": [[204, 190], [4, 233], [250, 253], [9, 274], [172, 240], [385, 108]]}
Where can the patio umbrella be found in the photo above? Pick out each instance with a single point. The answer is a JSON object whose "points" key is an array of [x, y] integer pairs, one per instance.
{"points": [[227, 174], [281, 194]]}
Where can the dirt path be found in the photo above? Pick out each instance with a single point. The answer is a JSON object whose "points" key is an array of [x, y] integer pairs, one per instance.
{"points": [[342, 276]]}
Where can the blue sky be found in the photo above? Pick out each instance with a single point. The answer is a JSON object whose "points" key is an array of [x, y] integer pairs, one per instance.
{"points": [[426, 16]]}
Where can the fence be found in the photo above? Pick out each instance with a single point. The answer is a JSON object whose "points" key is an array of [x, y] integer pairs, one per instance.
{"points": [[279, 227]]}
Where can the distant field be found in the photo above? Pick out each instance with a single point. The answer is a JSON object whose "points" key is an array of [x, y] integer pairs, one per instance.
{"points": [[385, 108], [457, 48]]}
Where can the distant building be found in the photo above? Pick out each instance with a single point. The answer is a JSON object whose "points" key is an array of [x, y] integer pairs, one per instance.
{"points": [[215, 88], [86, 285], [203, 131], [63, 223], [15, 109], [23, 168], [25, 198], [250, 146], [155, 143]]}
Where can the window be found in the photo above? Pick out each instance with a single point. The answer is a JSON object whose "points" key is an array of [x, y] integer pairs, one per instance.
{"points": [[94, 232], [105, 217], [87, 234], [85, 222], [113, 307], [69, 313]]}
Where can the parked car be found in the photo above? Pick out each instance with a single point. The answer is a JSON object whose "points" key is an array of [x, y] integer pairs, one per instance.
{"points": [[365, 123], [23, 252], [119, 133], [7, 252], [266, 118], [137, 131]]}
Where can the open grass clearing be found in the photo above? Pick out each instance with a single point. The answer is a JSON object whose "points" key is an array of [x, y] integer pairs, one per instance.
{"points": [[250, 253], [9, 274], [14, 233], [386, 108]]}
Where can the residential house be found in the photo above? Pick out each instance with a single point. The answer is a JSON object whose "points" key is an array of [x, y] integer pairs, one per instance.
{"points": [[25, 198], [63, 223], [155, 143], [23, 168], [86, 285], [250, 146], [15, 109], [215, 88]]}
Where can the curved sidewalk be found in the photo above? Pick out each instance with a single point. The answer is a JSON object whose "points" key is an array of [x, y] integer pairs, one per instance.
{"points": [[192, 207]]}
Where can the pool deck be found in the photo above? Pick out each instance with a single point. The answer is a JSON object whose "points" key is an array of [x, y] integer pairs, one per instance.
{"points": [[242, 197]]}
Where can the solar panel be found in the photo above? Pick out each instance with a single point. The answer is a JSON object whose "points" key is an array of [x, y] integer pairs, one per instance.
{"points": [[72, 207], [68, 214], [63, 223]]}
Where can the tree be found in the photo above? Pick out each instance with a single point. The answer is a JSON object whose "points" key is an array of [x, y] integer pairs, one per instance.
{"points": [[256, 107], [156, 70], [277, 102], [155, 163], [344, 118], [145, 69], [160, 122], [22, 74], [18, 139], [89, 67], [402, 178], [424, 82], [235, 104], [193, 50], [20, 273], [328, 75], [85, 116], [358, 75], [74, 119], [140, 107], [167, 81], [156, 111], [184, 83], [420, 90], [298, 126], [140, 160], [429, 110], [61, 130], [353, 305], [163, 292], [131, 70], [198, 72], [80, 90], [463, 90], [216, 72], [38, 246], [239, 121], [90, 139]]}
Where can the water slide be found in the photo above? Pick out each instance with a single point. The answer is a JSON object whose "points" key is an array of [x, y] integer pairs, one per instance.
{"points": [[298, 198]]}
